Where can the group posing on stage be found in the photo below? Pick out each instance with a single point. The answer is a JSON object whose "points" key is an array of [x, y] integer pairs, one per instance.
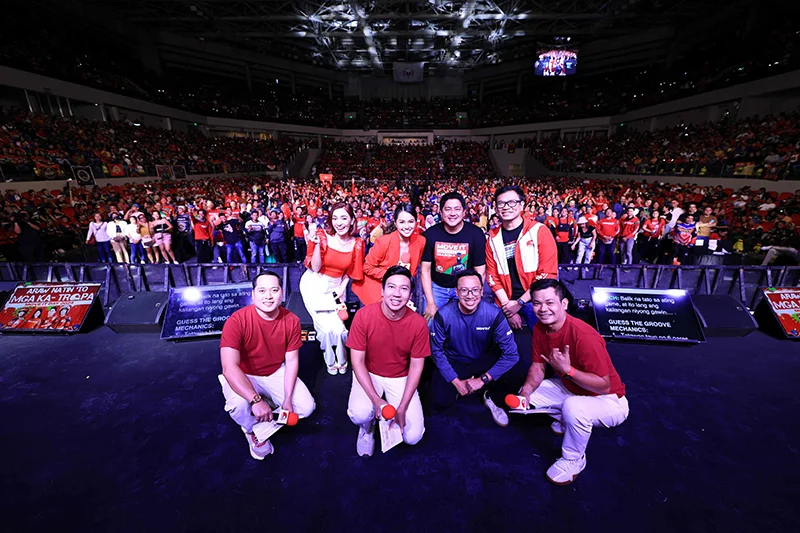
{"points": [[470, 340]]}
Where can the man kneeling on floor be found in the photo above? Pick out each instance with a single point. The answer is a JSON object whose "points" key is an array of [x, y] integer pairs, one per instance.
{"points": [[473, 347], [388, 345], [586, 390], [259, 352]]}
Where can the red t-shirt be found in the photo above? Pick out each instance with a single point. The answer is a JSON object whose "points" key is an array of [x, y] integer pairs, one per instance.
{"points": [[299, 226], [262, 343], [587, 352], [389, 344]]}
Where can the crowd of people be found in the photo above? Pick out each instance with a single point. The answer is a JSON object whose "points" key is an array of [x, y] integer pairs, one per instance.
{"points": [[573, 209], [48, 146], [764, 147]]}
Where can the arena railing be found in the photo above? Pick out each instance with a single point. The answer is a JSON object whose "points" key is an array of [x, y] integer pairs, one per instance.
{"points": [[787, 171], [739, 281]]}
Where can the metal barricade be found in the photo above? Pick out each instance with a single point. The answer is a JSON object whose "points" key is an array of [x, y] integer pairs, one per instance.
{"points": [[741, 282]]}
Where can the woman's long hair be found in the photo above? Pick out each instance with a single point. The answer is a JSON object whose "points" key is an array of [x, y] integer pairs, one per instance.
{"points": [[341, 205]]}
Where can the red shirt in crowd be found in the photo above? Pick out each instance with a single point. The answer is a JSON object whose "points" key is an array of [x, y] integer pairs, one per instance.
{"points": [[299, 226], [587, 353], [630, 226], [262, 343], [653, 228], [608, 228], [389, 344], [202, 230]]}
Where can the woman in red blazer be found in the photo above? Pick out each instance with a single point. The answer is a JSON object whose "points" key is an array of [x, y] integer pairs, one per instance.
{"points": [[402, 247]]}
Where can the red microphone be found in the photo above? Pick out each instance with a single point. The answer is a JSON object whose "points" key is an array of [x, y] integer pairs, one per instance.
{"points": [[516, 402], [288, 418], [341, 308], [388, 412]]}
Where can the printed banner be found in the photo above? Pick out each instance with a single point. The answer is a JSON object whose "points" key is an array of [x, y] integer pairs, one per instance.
{"points": [[48, 307], [48, 172], [785, 305], [326, 178], [408, 72], [116, 170], [179, 172], [164, 172], [744, 169], [83, 175]]}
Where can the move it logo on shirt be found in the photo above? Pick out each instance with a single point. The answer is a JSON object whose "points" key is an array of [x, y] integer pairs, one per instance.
{"points": [[451, 257]]}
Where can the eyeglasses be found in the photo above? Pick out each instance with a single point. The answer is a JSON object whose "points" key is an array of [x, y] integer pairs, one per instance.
{"points": [[511, 203], [470, 292]]}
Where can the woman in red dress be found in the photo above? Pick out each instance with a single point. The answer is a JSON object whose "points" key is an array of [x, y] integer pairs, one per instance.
{"points": [[335, 256], [402, 247]]}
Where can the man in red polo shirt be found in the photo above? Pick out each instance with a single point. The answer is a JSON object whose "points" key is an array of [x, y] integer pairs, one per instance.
{"points": [[388, 345], [259, 353], [586, 390], [607, 232]]}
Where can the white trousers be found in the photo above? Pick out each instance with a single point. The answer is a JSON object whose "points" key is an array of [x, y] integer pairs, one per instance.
{"points": [[362, 412], [331, 332], [271, 388], [579, 414]]}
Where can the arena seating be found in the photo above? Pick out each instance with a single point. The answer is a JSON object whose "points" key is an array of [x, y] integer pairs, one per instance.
{"points": [[33, 144]]}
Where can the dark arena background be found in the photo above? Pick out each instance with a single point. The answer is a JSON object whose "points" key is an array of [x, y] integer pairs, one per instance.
{"points": [[685, 111]]}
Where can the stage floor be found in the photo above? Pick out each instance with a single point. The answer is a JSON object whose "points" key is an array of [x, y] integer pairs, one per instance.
{"points": [[126, 433]]}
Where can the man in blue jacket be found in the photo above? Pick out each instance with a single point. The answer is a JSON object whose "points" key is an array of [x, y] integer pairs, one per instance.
{"points": [[473, 348]]}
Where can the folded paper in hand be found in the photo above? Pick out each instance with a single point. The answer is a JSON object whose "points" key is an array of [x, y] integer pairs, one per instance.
{"points": [[391, 436], [265, 430], [539, 411]]}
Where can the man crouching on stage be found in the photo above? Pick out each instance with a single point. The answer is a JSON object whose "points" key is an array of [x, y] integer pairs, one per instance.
{"points": [[259, 352], [586, 389], [388, 345]]}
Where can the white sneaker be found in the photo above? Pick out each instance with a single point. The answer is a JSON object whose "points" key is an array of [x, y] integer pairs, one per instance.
{"points": [[343, 369], [498, 415], [258, 450], [564, 472], [557, 427], [365, 444], [332, 370]]}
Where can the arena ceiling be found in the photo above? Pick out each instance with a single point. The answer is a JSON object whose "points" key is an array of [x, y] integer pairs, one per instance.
{"points": [[370, 35]]}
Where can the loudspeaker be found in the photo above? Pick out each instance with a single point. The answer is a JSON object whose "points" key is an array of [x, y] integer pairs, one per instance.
{"points": [[6, 288], [137, 312], [295, 305], [723, 316]]}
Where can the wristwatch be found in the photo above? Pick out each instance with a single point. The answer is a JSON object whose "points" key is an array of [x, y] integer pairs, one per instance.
{"points": [[257, 398], [521, 302], [485, 378]]}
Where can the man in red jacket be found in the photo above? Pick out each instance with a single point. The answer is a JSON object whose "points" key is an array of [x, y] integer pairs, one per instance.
{"points": [[607, 231], [518, 253], [630, 230]]}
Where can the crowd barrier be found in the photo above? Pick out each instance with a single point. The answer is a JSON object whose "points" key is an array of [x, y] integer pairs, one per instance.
{"points": [[739, 281]]}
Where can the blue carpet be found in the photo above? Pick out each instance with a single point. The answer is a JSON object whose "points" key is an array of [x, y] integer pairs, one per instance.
{"points": [[126, 433]]}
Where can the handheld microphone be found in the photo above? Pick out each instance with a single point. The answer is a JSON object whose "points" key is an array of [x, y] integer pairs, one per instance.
{"points": [[517, 402], [341, 308], [287, 418], [388, 412]]}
